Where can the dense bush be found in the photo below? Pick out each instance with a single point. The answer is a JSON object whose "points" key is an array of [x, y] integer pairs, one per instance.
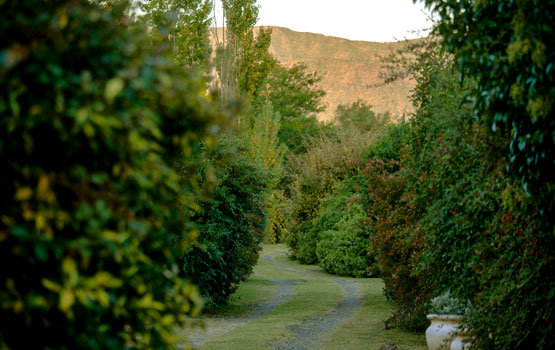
{"points": [[360, 116], [231, 224], [492, 217], [341, 234], [396, 239], [92, 126], [314, 174]]}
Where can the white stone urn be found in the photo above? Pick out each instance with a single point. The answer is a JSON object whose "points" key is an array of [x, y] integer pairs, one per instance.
{"points": [[458, 343], [442, 331]]}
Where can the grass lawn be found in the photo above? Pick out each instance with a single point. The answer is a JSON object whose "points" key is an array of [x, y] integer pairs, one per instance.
{"points": [[314, 293]]}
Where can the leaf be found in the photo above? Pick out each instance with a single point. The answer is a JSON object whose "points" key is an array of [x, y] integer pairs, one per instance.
{"points": [[41, 252], [53, 286], [23, 193], [43, 188], [103, 298], [113, 88], [70, 269], [67, 298]]}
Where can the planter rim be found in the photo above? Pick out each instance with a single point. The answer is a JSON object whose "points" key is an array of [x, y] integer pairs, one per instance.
{"points": [[443, 317]]}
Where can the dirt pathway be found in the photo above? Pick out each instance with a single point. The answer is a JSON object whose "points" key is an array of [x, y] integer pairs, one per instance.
{"points": [[313, 329], [303, 335], [220, 326]]}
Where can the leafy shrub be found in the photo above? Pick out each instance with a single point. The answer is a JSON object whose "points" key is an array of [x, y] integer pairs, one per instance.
{"points": [[360, 116], [231, 225], [445, 304], [498, 219], [91, 128], [342, 237], [397, 240], [313, 175]]}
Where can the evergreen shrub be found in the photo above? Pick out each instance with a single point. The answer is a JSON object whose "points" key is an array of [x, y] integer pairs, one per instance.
{"points": [[92, 125], [231, 224], [343, 238]]}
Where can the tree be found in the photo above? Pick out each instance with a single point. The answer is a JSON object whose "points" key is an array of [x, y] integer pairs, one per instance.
{"points": [[360, 116], [184, 25], [240, 16], [294, 94], [243, 59]]}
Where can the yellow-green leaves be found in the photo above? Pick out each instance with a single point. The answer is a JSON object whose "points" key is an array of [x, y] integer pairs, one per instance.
{"points": [[104, 279], [113, 88], [67, 298], [90, 213], [23, 193]]}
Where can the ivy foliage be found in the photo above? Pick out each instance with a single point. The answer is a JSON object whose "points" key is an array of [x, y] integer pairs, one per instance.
{"points": [[92, 126]]}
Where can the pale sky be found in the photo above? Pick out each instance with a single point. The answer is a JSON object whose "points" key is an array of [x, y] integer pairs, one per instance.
{"points": [[369, 20]]}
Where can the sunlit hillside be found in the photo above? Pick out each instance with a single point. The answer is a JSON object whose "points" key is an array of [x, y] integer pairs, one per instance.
{"points": [[349, 69]]}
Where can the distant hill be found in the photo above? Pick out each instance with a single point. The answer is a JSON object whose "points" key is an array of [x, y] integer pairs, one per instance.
{"points": [[349, 69]]}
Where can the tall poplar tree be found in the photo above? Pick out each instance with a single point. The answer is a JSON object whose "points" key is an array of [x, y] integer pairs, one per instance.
{"points": [[184, 25], [244, 61]]}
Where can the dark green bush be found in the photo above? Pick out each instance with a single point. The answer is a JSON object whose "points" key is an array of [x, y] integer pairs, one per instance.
{"points": [[231, 225], [91, 127], [491, 218], [343, 239]]}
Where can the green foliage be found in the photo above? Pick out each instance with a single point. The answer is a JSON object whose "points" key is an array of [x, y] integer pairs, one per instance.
{"points": [[231, 224], [92, 126], [508, 49], [243, 60], [241, 16], [263, 146], [360, 116], [183, 25], [313, 175], [491, 215], [396, 239], [256, 62], [390, 144], [342, 236], [294, 94], [265, 150], [440, 150]]}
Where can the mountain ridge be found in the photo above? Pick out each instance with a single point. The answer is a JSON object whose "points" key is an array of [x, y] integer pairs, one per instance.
{"points": [[350, 69]]}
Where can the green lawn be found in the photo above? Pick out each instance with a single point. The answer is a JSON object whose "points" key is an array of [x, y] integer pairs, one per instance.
{"points": [[314, 294]]}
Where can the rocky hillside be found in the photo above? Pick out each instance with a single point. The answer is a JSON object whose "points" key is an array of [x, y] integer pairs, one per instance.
{"points": [[349, 69]]}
